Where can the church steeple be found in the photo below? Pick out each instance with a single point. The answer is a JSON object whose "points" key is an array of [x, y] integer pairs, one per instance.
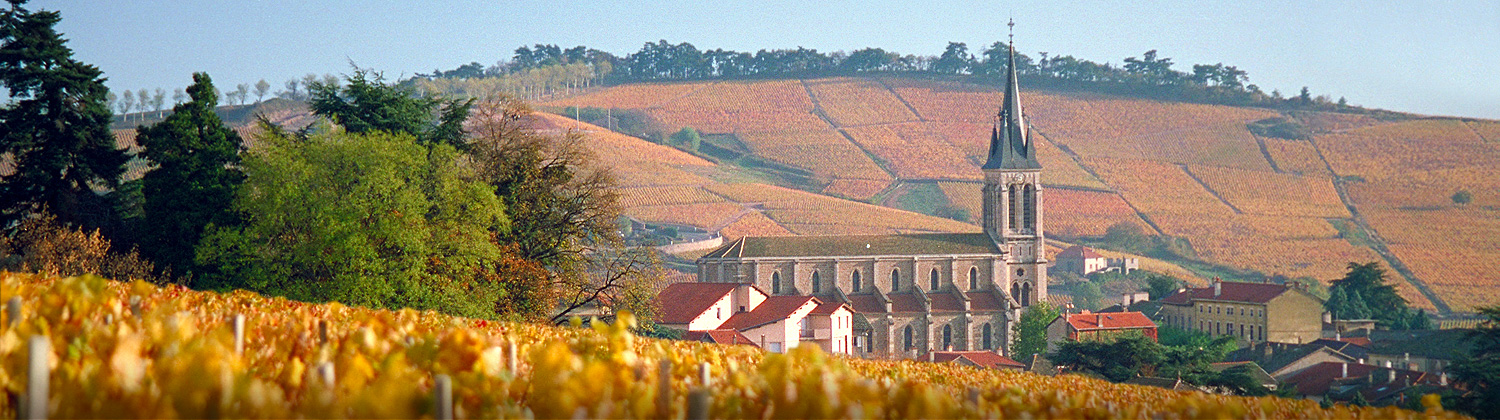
{"points": [[1010, 141]]}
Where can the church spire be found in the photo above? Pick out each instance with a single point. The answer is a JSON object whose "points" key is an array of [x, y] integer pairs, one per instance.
{"points": [[1010, 141]]}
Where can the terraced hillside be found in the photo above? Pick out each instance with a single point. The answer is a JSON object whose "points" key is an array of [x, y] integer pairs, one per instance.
{"points": [[1360, 189]]}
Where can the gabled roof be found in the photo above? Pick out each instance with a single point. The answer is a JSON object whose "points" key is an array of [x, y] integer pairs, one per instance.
{"points": [[1346, 346], [1254, 370], [1322, 377], [857, 245], [985, 359], [1109, 321], [774, 309], [905, 302], [681, 302], [1281, 355], [1079, 252], [828, 308], [719, 336], [1230, 291]]}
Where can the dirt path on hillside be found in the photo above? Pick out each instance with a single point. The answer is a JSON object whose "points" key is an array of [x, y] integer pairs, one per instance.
{"points": [[1380, 246]]}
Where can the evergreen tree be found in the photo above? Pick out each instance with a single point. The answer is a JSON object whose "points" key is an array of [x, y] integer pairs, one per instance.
{"points": [[1337, 303], [1379, 298], [367, 104], [196, 176], [1357, 309], [56, 128], [1479, 370]]}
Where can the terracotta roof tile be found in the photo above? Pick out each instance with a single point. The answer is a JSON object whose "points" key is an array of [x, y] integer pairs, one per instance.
{"points": [[1078, 252], [1231, 291], [946, 302], [905, 302], [775, 308], [1109, 321], [984, 301], [1317, 379], [681, 302], [986, 359], [828, 308], [866, 304], [720, 337]]}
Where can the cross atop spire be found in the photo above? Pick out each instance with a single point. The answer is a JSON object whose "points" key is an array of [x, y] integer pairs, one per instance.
{"points": [[1012, 26], [1010, 142]]}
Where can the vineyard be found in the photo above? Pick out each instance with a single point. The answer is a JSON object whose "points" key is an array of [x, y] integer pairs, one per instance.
{"points": [[912, 151], [1391, 151], [1273, 194], [857, 102], [1296, 157], [135, 350]]}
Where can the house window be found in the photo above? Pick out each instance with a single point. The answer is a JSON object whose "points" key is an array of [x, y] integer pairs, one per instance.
{"points": [[947, 337], [906, 337], [817, 284], [776, 282], [773, 347], [973, 278], [855, 279], [718, 313], [934, 281], [985, 332], [895, 279]]}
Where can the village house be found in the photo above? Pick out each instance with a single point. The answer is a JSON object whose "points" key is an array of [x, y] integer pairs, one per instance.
{"points": [[1254, 312], [1283, 360], [1097, 325], [727, 313], [979, 358], [919, 292], [1378, 385], [1083, 261]]}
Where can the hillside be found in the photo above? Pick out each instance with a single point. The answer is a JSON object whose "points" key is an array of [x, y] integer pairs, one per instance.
{"points": [[1359, 189], [122, 350]]}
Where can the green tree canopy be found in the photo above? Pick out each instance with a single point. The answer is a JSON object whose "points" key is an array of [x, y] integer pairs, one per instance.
{"points": [[1369, 296], [1479, 370], [55, 127], [371, 219], [1123, 357], [366, 103], [1031, 331], [196, 177], [1161, 285]]}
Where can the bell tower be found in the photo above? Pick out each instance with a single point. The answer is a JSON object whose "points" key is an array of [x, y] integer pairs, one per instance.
{"points": [[1013, 196]]}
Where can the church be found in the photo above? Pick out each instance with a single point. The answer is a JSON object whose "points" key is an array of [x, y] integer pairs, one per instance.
{"points": [[916, 293]]}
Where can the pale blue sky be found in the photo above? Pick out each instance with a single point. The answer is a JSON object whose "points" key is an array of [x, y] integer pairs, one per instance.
{"points": [[1428, 57]]}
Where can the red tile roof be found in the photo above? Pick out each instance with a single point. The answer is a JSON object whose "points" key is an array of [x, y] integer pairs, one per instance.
{"points": [[1109, 321], [681, 302], [828, 308], [984, 301], [1079, 252], [719, 336], [946, 302], [775, 308], [905, 302], [1317, 379], [1230, 291], [866, 304], [986, 359]]}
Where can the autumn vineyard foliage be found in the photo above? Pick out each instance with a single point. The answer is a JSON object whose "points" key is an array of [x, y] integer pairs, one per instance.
{"points": [[137, 350]]}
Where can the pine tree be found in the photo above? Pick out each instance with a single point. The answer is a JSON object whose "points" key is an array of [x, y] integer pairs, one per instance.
{"points": [[1338, 303], [193, 184], [57, 127], [1357, 309]]}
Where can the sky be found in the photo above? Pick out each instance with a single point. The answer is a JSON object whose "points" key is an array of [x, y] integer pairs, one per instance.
{"points": [[1425, 57]]}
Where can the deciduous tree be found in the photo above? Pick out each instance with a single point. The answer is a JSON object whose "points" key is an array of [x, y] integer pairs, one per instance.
{"points": [[1031, 331]]}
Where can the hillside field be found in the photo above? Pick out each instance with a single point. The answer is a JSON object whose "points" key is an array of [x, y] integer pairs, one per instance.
{"points": [[1266, 204], [118, 350]]}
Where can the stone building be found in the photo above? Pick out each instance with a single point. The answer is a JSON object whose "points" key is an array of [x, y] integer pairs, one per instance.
{"points": [[1251, 311], [1083, 261], [921, 292]]}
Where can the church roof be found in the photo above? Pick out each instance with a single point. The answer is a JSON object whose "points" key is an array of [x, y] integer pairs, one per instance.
{"points": [[1010, 140], [857, 245], [984, 301]]}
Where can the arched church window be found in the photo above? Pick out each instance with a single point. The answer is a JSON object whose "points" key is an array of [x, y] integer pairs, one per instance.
{"points": [[776, 282], [906, 337], [973, 278], [934, 280], [1026, 294], [1015, 292], [895, 279], [855, 279], [947, 337], [1029, 204], [985, 332], [1014, 195], [817, 284]]}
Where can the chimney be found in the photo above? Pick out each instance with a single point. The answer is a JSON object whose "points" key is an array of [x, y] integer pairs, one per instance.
{"points": [[1099, 320], [1405, 358], [1391, 373], [1345, 373], [1443, 379], [1218, 287], [1338, 336]]}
